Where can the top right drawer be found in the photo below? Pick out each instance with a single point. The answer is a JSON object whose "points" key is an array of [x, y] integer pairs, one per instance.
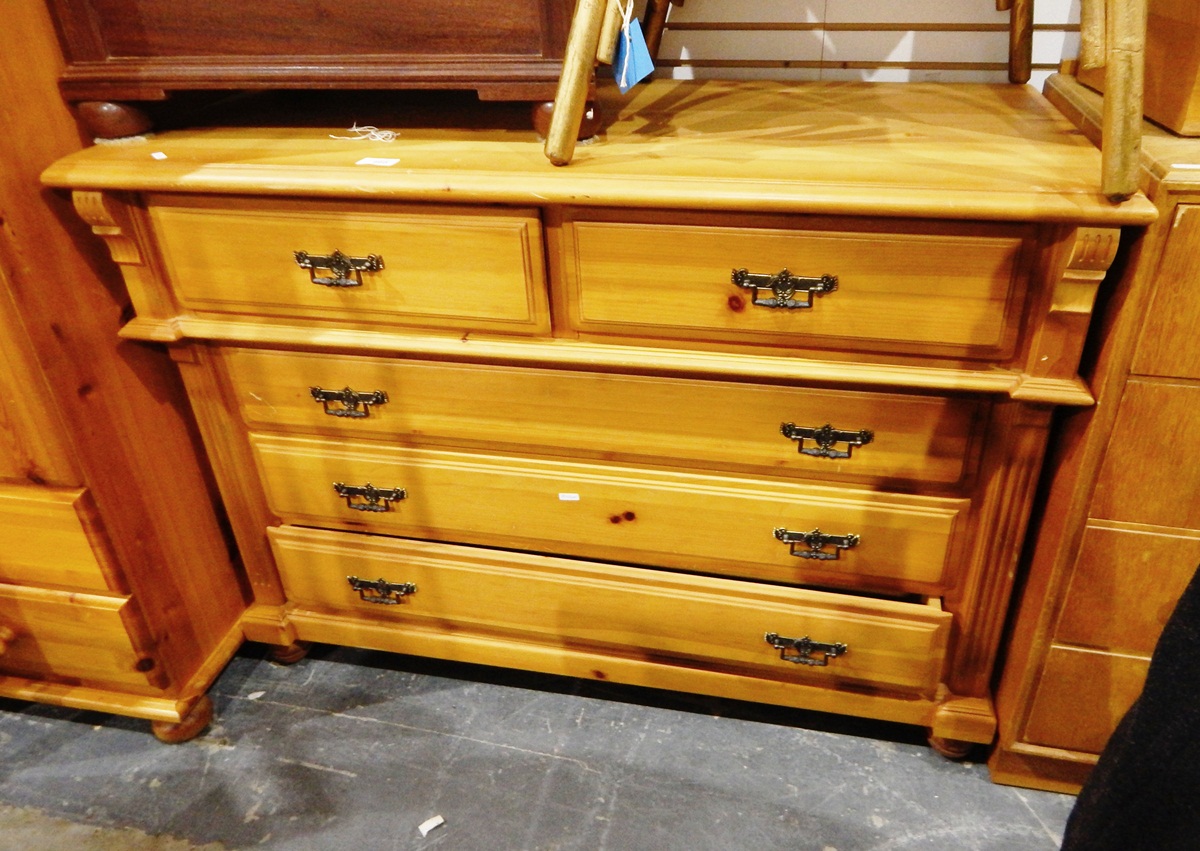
{"points": [[817, 284]]}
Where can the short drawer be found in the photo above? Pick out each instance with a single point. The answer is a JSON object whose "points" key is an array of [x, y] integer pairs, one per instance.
{"points": [[699, 620], [66, 636], [714, 524], [1158, 491], [439, 267], [924, 288], [1082, 696], [685, 422], [52, 538]]}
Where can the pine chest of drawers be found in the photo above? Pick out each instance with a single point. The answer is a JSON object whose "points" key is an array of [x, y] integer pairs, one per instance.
{"points": [[750, 400]]}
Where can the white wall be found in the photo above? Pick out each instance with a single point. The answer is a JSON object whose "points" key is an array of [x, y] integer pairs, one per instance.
{"points": [[878, 40]]}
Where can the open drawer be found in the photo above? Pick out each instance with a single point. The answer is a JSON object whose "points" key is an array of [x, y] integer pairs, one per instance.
{"points": [[722, 624]]}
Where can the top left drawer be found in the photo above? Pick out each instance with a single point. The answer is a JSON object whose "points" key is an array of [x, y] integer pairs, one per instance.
{"points": [[357, 265]]}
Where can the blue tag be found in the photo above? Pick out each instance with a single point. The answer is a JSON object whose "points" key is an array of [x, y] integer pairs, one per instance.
{"points": [[632, 63]]}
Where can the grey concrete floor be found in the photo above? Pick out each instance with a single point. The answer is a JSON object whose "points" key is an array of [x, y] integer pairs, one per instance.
{"points": [[353, 750]]}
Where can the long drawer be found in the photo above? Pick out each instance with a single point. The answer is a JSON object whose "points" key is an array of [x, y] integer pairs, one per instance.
{"points": [[450, 267], [683, 422], [949, 289], [628, 611], [723, 525], [51, 539], [66, 636]]}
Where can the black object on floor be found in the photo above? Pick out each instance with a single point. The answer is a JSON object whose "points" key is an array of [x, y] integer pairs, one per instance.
{"points": [[1144, 794]]}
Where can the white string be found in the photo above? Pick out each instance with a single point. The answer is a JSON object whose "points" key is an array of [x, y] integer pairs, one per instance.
{"points": [[626, 10], [374, 134]]}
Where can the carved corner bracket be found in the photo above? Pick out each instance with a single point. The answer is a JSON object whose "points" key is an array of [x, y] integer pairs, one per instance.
{"points": [[116, 218], [1079, 268]]}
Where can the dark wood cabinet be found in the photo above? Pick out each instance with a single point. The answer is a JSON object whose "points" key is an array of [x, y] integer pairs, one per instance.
{"points": [[124, 54]]}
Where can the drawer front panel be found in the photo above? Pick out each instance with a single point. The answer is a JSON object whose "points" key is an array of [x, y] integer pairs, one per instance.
{"points": [[705, 620], [66, 636], [52, 538], [949, 290], [1082, 697], [1156, 489], [707, 523], [1124, 586], [684, 422], [453, 267]]}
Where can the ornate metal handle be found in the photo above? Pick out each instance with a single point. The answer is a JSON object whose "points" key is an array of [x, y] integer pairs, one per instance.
{"points": [[381, 591], [374, 499], [7, 637], [350, 401], [812, 544], [340, 265], [825, 437], [783, 286], [804, 648]]}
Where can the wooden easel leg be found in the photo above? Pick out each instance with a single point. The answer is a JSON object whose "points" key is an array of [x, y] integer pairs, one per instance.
{"points": [[571, 96]]}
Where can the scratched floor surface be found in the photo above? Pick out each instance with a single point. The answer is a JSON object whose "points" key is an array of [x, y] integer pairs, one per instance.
{"points": [[354, 751]]}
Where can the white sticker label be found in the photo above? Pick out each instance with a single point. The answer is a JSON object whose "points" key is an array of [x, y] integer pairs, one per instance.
{"points": [[569, 497], [384, 161], [159, 155]]}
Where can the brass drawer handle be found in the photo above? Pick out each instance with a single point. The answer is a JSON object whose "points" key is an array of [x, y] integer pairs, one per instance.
{"points": [[340, 265], [783, 286], [825, 437], [381, 591], [373, 498], [804, 648], [350, 401], [812, 544]]}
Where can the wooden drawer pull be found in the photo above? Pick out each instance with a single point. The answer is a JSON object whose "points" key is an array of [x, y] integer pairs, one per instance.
{"points": [[373, 498], [783, 286], [353, 404], [381, 591], [340, 265], [7, 637], [804, 648], [812, 544], [825, 437]]}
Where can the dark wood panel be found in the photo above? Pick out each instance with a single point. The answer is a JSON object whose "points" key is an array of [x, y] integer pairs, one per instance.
{"points": [[317, 28], [123, 55]]}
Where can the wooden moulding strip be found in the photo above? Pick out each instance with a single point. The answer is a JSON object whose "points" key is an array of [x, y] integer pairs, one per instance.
{"points": [[625, 191], [602, 356], [93, 699]]}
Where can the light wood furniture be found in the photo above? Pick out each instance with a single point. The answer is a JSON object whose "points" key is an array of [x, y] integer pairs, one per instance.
{"points": [[1172, 66], [466, 405], [117, 592], [591, 39], [1120, 532]]}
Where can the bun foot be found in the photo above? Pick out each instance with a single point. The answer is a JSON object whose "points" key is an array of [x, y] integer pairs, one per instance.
{"points": [[108, 120], [289, 654], [191, 726], [954, 749]]}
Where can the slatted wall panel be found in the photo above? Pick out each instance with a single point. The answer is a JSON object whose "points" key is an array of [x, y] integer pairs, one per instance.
{"points": [[877, 40]]}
